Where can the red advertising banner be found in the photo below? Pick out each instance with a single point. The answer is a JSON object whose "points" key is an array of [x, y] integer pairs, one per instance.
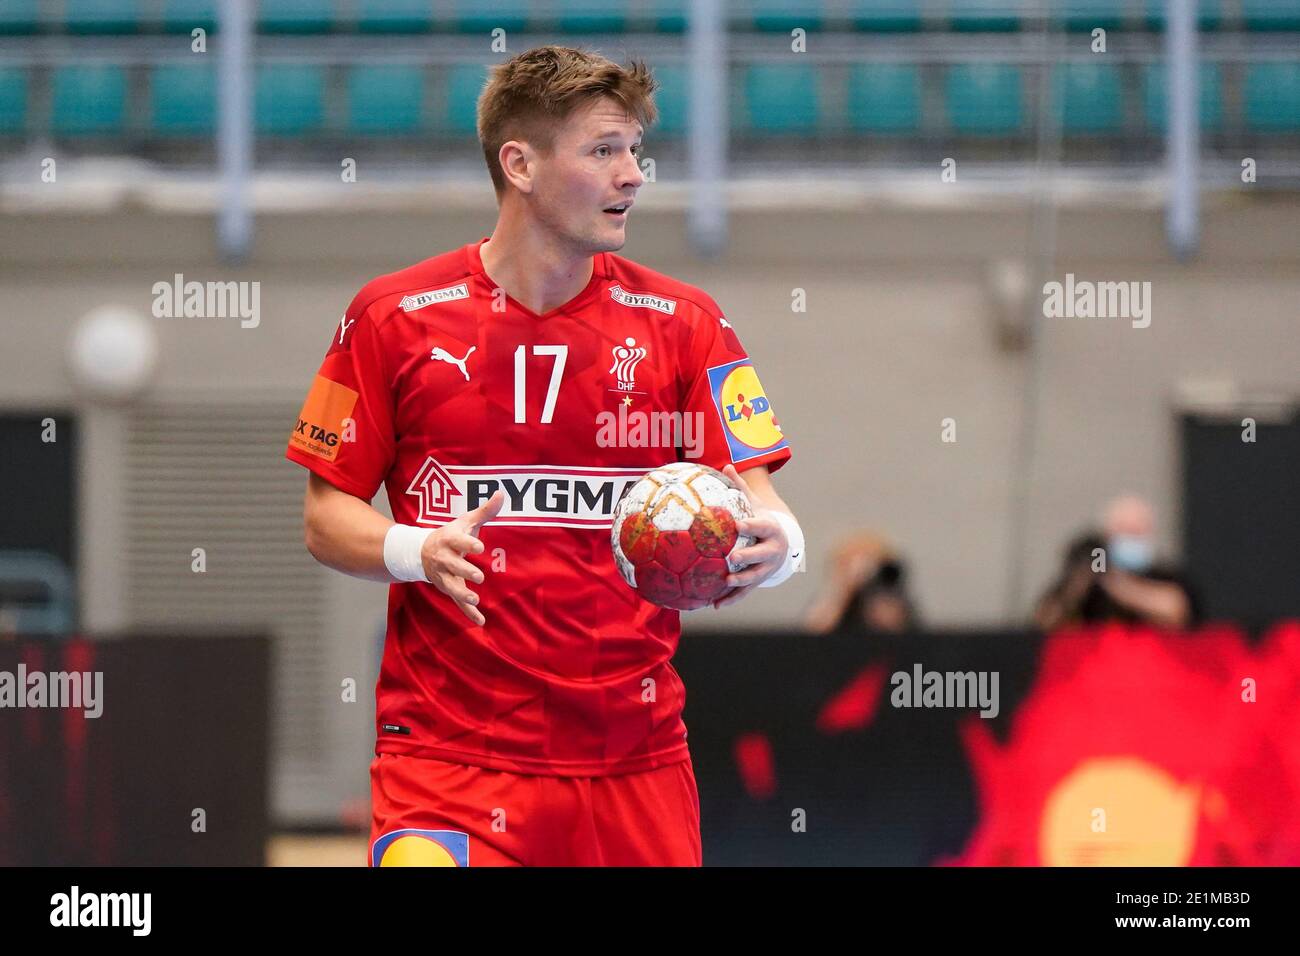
{"points": [[1140, 748]]}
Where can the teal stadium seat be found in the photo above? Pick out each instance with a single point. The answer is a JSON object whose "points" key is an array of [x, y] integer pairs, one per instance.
{"points": [[986, 16], [13, 100], [89, 99], [593, 16], [884, 98], [474, 16], [1271, 97], [182, 16], [667, 16], [782, 16], [885, 16], [101, 16], [1090, 96], [1084, 16], [385, 99], [19, 16], [672, 101], [1271, 14], [288, 98], [1155, 95], [465, 82], [1209, 14], [394, 16], [296, 16], [183, 99], [781, 99], [984, 99]]}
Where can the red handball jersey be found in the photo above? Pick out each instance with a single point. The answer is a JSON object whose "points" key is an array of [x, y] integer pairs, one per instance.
{"points": [[443, 388]]}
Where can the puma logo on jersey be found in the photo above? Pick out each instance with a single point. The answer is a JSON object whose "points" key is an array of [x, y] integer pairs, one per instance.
{"points": [[442, 355]]}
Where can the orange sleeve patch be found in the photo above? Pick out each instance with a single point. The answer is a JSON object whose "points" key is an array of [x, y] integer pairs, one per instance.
{"points": [[321, 423]]}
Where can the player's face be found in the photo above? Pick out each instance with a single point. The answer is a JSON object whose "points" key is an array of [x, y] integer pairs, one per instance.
{"points": [[594, 165]]}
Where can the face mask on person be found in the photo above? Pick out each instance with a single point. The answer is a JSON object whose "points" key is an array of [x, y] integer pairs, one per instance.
{"points": [[1130, 552]]}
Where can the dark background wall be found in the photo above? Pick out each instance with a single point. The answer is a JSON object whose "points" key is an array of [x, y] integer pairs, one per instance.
{"points": [[185, 725], [1241, 517]]}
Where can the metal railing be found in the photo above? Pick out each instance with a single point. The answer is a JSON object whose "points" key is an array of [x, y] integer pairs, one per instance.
{"points": [[717, 52]]}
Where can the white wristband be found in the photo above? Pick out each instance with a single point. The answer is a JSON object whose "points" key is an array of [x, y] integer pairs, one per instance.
{"points": [[793, 556], [402, 546]]}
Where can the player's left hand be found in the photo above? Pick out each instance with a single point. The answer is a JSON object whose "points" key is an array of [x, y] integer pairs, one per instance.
{"points": [[764, 557]]}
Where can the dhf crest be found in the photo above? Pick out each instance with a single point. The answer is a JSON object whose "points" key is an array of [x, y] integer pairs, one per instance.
{"points": [[626, 357]]}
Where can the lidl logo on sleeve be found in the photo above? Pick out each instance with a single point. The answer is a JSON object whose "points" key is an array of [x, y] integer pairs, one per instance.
{"points": [[421, 848], [320, 423], [747, 418]]}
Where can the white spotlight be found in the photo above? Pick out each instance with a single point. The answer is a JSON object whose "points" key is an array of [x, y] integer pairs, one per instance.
{"points": [[113, 353]]}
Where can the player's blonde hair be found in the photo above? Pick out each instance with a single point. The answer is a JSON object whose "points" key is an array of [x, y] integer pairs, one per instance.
{"points": [[529, 96]]}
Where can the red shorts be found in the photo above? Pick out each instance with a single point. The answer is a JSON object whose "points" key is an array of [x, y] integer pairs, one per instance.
{"points": [[434, 813]]}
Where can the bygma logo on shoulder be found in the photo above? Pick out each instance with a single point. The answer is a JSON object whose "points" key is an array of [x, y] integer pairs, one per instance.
{"points": [[747, 418]]}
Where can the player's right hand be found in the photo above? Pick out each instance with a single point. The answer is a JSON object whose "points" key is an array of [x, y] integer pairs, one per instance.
{"points": [[444, 553]]}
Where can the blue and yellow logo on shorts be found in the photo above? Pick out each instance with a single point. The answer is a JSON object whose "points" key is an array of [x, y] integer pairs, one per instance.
{"points": [[747, 418], [421, 848]]}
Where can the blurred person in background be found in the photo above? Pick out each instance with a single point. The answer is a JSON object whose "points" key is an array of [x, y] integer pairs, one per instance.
{"points": [[867, 588], [1113, 575]]}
